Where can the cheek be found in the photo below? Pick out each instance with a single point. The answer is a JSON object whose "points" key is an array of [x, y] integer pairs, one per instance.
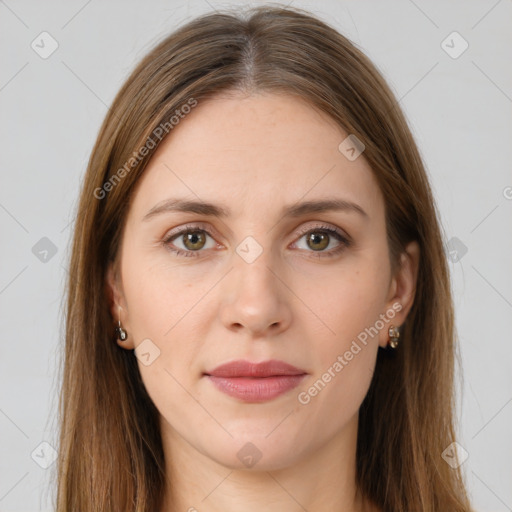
{"points": [[345, 361], [162, 304], [335, 395], [164, 308], [161, 296], [351, 308], [346, 301]]}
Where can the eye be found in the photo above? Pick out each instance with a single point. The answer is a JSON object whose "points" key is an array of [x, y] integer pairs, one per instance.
{"points": [[194, 238], [317, 239]]}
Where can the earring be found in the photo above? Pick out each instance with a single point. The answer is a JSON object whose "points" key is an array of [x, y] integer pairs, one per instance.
{"points": [[394, 334], [121, 333]]}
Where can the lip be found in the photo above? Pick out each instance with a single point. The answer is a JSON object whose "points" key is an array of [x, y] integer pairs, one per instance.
{"points": [[242, 368], [255, 382]]}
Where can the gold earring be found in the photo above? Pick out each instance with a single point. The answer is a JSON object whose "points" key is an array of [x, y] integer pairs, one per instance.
{"points": [[394, 334]]}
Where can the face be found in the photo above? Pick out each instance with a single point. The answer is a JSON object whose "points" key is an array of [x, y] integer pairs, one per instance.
{"points": [[258, 276]]}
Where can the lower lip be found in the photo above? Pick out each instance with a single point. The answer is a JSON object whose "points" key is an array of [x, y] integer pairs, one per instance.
{"points": [[262, 389]]}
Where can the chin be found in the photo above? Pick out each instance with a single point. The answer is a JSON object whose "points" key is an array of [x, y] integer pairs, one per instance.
{"points": [[254, 450]]}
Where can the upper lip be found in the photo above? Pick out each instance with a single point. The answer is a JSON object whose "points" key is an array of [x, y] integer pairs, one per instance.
{"points": [[242, 368]]}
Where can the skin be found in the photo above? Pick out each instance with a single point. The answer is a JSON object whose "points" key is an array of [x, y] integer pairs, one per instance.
{"points": [[255, 154]]}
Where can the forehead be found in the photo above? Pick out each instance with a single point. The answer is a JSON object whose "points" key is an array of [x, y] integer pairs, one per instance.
{"points": [[256, 153]]}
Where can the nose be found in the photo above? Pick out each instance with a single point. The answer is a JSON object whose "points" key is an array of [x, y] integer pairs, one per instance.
{"points": [[255, 298]]}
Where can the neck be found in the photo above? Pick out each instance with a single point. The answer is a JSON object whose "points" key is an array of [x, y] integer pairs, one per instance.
{"points": [[321, 480]]}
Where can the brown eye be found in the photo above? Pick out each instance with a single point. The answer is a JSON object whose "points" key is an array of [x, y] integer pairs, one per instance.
{"points": [[190, 241], [194, 241], [317, 241]]}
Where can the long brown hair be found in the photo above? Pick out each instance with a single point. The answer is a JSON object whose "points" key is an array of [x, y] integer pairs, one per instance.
{"points": [[110, 452]]}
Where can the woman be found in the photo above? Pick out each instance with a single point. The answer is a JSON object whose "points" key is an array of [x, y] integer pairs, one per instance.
{"points": [[259, 311]]}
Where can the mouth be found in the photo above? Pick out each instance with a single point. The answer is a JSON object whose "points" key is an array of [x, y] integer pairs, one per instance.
{"points": [[255, 382]]}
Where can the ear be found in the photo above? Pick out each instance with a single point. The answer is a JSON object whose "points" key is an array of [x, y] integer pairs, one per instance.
{"points": [[117, 304], [402, 289]]}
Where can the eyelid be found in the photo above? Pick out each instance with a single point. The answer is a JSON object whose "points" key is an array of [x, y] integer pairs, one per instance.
{"points": [[192, 226], [325, 226], [212, 231]]}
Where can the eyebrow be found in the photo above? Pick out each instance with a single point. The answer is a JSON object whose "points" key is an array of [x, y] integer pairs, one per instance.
{"points": [[215, 210]]}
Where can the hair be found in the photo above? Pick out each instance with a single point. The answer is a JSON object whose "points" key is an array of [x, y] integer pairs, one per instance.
{"points": [[110, 453]]}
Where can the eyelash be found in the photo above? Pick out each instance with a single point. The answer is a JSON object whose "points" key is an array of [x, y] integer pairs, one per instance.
{"points": [[344, 242]]}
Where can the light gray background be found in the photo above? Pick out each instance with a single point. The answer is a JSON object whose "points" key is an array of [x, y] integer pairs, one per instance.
{"points": [[459, 110]]}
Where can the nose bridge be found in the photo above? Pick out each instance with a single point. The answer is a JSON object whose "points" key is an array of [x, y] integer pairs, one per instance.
{"points": [[255, 298], [253, 263], [256, 275]]}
